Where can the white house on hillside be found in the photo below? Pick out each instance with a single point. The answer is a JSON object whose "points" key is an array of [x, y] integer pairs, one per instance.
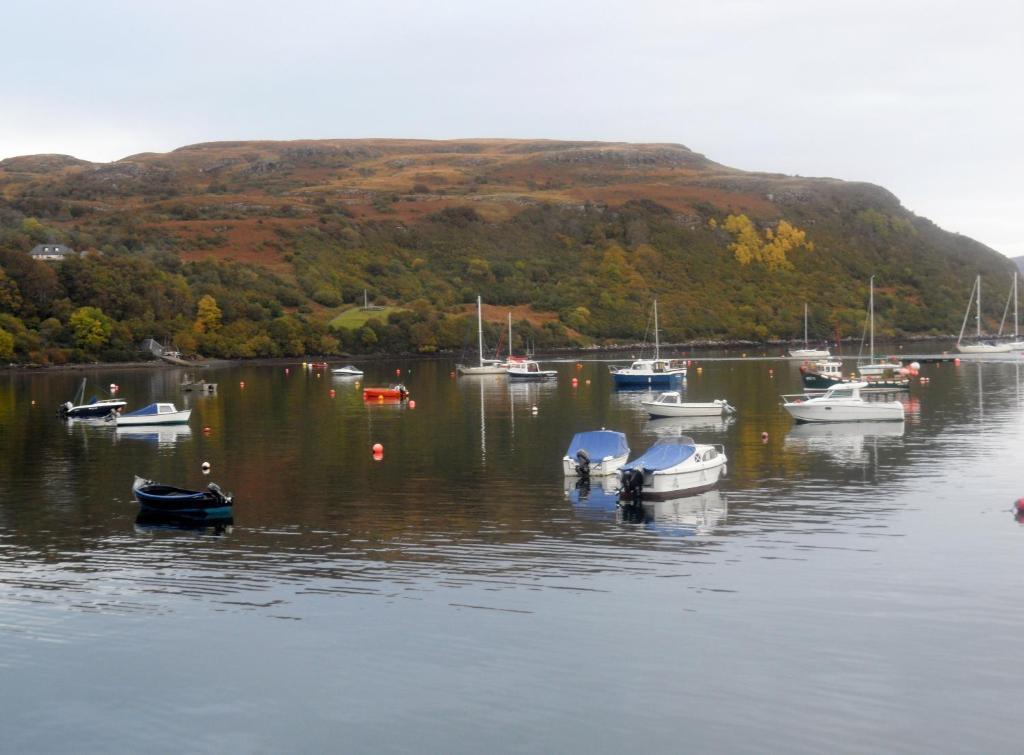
{"points": [[51, 252]]}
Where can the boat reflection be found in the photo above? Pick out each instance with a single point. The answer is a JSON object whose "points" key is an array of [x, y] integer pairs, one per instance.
{"points": [[845, 442], [594, 494], [148, 521], [164, 435], [679, 517], [673, 426]]}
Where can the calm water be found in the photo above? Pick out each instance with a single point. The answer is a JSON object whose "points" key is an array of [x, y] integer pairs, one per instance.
{"points": [[848, 589]]}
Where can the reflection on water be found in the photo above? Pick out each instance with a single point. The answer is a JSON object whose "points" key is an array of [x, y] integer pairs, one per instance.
{"points": [[151, 520], [161, 435], [377, 591]]}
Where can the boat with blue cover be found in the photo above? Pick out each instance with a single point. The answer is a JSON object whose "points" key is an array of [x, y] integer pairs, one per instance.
{"points": [[96, 408], [212, 503], [595, 453], [673, 467]]}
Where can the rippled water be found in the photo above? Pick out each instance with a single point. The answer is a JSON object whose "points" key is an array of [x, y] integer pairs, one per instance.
{"points": [[849, 588]]}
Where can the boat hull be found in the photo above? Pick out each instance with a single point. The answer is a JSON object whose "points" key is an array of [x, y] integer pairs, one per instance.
{"points": [[601, 468], [809, 353], [390, 394], [634, 379], [868, 411], [985, 348], [689, 409], [94, 411], [485, 370], [170, 418], [179, 502]]}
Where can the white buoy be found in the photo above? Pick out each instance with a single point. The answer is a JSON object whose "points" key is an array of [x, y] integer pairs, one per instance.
{"points": [[206, 467]]}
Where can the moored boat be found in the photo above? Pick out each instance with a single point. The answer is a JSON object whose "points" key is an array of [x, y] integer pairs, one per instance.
{"points": [[671, 404], [981, 345], [212, 503], [655, 372], [822, 374], [595, 453], [396, 392], [529, 370], [154, 414], [485, 366], [347, 371], [842, 403], [807, 352], [673, 467], [96, 408]]}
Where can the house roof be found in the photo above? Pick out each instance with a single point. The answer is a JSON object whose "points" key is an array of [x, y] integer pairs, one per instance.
{"points": [[46, 250]]}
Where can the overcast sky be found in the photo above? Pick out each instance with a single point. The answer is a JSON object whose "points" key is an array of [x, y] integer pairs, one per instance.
{"points": [[924, 98]]}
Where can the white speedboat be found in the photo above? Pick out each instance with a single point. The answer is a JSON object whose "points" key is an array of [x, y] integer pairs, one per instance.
{"points": [[530, 370], [154, 414], [842, 403], [486, 366], [673, 467], [347, 371], [806, 352], [596, 453], [671, 404]]}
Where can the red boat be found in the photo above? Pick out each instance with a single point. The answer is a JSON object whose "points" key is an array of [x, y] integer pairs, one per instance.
{"points": [[395, 392]]}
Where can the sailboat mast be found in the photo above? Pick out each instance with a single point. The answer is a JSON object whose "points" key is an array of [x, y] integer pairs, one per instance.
{"points": [[510, 336], [656, 344], [805, 325], [480, 329], [1015, 306], [977, 316], [871, 308]]}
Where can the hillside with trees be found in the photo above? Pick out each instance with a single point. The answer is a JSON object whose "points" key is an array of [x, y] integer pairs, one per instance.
{"points": [[258, 249]]}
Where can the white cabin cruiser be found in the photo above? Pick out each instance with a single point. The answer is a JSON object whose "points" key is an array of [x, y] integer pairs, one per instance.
{"points": [[347, 371], [673, 467], [595, 454], [842, 403], [671, 404]]}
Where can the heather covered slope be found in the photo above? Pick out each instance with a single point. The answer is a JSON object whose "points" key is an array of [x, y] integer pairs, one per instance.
{"points": [[284, 236]]}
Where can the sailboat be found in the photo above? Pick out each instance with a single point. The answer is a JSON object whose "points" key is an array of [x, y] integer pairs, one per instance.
{"points": [[486, 366], [1016, 344], [805, 352], [650, 372], [979, 346], [877, 371]]}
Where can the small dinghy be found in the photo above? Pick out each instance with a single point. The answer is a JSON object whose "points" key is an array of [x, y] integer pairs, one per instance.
{"points": [[671, 404], [395, 393], [596, 453], [347, 371], [211, 503]]}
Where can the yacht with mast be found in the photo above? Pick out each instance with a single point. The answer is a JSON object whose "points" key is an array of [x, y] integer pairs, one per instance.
{"points": [[806, 352], [486, 366], [650, 372], [876, 370], [979, 345]]}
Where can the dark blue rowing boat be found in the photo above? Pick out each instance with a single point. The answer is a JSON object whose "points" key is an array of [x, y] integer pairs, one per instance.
{"points": [[211, 503]]}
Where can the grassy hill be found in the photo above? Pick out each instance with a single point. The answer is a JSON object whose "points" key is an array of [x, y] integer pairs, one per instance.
{"points": [[578, 237]]}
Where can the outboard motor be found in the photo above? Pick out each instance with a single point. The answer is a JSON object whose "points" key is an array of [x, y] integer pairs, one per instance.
{"points": [[583, 463], [63, 409], [226, 498], [633, 486]]}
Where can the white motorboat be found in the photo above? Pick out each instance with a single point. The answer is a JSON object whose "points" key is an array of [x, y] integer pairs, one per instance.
{"points": [[980, 345], [529, 370], [97, 408], [595, 454], [347, 371], [842, 403], [673, 467], [806, 352], [154, 414], [671, 404], [650, 372], [486, 366]]}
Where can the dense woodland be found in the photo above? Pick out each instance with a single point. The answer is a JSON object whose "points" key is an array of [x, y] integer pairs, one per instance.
{"points": [[255, 249]]}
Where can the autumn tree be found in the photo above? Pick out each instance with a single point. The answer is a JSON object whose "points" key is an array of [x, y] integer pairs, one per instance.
{"points": [[91, 328], [771, 248], [6, 345], [208, 315]]}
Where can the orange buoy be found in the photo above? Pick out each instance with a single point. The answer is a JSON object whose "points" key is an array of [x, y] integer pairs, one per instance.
{"points": [[206, 430], [764, 437], [575, 382], [412, 404], [378, 448], [287, 371], [332, 393], [398, 371], [241, 384]]}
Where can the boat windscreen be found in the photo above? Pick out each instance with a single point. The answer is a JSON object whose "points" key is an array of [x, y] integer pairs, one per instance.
{"points": [[143, 412]]}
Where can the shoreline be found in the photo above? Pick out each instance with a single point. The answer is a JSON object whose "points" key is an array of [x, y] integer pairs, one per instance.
{"points": [[156, 364]]}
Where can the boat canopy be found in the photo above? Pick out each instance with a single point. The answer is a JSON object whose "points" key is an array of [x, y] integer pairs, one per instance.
{"points": [[152, 409], [664, 454], [599, 444]]}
